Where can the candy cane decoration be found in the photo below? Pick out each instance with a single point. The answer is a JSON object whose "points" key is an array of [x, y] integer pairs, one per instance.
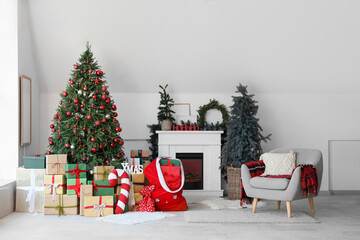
{"points": [[125, 188]]}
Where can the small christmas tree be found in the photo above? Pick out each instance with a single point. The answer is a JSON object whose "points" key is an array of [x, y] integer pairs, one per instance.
{"points": [[243, 140], [85, 125]]}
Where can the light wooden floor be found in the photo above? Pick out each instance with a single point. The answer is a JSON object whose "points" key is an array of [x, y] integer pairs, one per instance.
{"points": [[339, 216]]}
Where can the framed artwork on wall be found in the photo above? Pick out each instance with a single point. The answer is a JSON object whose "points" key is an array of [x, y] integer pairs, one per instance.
{"points": [[25, 108]]}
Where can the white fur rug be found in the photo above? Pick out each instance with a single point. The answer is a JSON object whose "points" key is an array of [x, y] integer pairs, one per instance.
{"points": [[246, 216], [135, 217], [222, 203]]}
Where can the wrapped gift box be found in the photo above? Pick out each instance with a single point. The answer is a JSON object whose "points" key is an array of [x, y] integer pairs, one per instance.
{"points": [[34, 162], [99, 206], [75, 171], [102, 188], [73, 186], [30, 186], [102, 172], [138, 198], [62, 205], [55, 164], [54, 184], [138, 180], [140, 153], [85, 191]]}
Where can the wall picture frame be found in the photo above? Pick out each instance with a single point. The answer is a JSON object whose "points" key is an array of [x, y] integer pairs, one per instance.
{"points": [[25, 108]]}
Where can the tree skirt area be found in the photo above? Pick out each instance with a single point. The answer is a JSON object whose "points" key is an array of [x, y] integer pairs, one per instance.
{"points": [[246, 216], [135, 217]]}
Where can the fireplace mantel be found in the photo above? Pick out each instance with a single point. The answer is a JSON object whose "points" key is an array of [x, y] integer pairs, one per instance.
{"points": [[206, 142]]}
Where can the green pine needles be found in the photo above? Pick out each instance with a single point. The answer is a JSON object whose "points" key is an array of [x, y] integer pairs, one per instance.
{"points": [[243, 140], [85, 125], [166, 102]]}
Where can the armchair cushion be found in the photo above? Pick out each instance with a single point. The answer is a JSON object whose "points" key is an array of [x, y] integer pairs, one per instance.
{"points": [[278, 163], [269, 183]]}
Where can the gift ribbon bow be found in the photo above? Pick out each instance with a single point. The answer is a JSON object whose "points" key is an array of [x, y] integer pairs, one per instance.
{"points": [[95, 186], [37, 155], [99, 207], [52, 186], [76, 171], [105, 173], [60, 207]]}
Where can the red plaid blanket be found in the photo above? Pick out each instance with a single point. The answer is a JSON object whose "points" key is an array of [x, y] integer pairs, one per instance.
{"points": [[309, 181], [256, 168]]}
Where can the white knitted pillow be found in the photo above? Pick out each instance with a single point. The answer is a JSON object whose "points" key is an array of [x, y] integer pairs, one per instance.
{"points": [[278, 163]]}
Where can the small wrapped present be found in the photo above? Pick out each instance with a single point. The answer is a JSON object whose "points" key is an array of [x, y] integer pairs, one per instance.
{"points": [[63, 205], [102, 188], [29, 190], [54, 185], [75, 171], [138, 180], [102, 172], [34, 162], [99, 206], [55, 164], [140, 153], [73, 186], [147, 204], [85, 191]]}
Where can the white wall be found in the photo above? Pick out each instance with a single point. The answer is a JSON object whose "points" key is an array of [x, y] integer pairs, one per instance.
{"points": [[26, 61], [9, 100], [295, 120]]}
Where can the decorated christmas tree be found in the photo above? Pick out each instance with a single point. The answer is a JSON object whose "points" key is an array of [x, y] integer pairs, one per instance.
{"points": [[85, 126]]}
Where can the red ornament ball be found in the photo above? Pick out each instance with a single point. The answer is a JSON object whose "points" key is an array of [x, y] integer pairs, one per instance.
{"points": [[75, 77], [115, 114], [67, 145], [74, 126], [68, 126], [121, 142], [85, 88], [120, 129], [52, 126], [107, 161], [114, 119], [84, 159], [75, 131], [113, 107], [118, 156], [93, 149], [107, 100], [89, 117], [55, 116], [103, 130], [64, 94], [76, 100], [82, 105], [76, 118], [104, 120], [101, 107], [103, 89], [59, 136], [60, 102], [68, 113], [97, 123], [76, 66], [122, 153], [92, 139], [84, 71], [90, 70], [50, 138], [48, 153], [112, 144], [99, 73], [103, 97], [116, 140], [84, 128], [92, 105], [101, 146], [58, 131], [72, 82], [53, 130], [80, 83], [51, 142], [94, 96]]}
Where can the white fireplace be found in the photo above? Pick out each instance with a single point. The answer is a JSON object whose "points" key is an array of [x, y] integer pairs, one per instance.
{"points": [[208, 143]]}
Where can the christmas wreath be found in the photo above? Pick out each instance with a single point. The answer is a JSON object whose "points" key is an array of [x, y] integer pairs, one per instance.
{"points": [[213, 104]]}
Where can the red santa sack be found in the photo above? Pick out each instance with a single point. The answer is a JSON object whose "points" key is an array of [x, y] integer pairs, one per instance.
{"points": [[168, 177]]}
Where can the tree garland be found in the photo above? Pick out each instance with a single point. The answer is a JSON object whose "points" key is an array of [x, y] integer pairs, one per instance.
{"points": [[213, 104]]}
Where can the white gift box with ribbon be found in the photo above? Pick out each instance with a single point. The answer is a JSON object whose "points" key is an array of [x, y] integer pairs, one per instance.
{"points": [[30, 190]]}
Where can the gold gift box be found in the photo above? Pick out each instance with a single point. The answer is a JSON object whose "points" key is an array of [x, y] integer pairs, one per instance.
{"points": [[102, 172], [138, 198], [62, 205], [85, 191], [55, 164], [60, 179], [144, 153], [92, 209], [24, 185], [138, 181]]}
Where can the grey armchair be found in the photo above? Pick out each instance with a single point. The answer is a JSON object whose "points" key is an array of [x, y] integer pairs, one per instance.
{"points": [[282, 189]]}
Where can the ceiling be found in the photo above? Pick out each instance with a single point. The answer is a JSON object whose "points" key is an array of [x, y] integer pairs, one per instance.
{"points": [[201, 46]]}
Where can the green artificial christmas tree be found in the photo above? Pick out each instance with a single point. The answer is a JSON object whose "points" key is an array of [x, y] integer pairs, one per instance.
{"points": [[85, 125], [243, 140]]}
